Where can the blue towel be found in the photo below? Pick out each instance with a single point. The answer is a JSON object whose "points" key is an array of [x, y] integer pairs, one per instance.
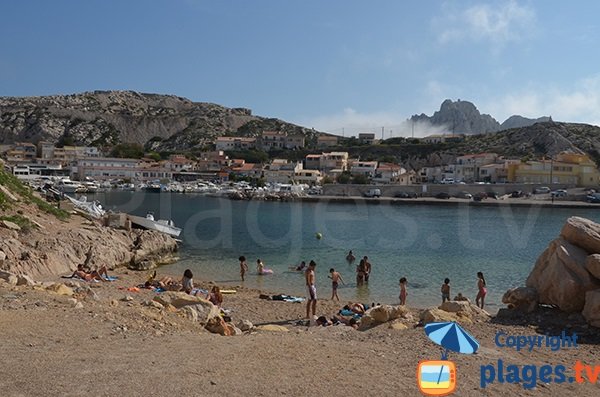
{"points": [[110, 278]]}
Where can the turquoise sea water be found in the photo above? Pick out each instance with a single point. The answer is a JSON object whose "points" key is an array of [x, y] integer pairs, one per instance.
{"points": [[424, 243]]}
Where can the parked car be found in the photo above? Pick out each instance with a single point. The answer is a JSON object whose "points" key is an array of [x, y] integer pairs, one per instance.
{"points": [[559, 193], [517, 194], [464, 195], [593, 198], [406, 195], [479, 196], [442, 195], [448, 181], [373, 193], [493, 195], [541, 190]]}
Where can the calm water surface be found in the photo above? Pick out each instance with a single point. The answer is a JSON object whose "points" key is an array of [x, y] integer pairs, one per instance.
{"points": [[424, 243]]}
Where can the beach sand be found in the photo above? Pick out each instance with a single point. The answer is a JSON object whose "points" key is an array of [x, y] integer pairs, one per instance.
{"points": [[114, 347]]}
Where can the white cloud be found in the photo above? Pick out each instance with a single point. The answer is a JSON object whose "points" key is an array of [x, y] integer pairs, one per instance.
{"points": [[499, 23], [579, 103], [349, 122]]}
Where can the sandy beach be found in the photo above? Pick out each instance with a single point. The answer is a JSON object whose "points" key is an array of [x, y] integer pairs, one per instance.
{"points": [[115, 344]]}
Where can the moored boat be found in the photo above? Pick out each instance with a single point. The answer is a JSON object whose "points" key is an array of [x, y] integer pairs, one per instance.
{"points": [[161, 225]]}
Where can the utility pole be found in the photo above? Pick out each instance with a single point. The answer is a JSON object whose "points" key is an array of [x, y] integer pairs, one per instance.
{"points": [[382, 137]]}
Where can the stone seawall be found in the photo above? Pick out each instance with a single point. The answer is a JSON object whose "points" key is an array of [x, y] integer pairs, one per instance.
{"points": [[430, 190]]}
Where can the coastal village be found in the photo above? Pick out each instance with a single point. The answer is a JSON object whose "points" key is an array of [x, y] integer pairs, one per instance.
{"points": [[326, 163]]}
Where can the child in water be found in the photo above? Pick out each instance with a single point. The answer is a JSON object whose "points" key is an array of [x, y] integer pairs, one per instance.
{"points": [[335, 277], [243, 266], [446, 290], [403, 292]]}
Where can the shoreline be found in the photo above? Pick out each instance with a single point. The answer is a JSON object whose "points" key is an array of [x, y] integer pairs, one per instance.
{"points": [[447, 202]]}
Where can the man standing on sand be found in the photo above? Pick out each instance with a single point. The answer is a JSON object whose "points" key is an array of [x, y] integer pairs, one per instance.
{"points": [[312, 290]]}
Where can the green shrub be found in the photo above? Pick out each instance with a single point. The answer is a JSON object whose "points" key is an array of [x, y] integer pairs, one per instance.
{"points": [[24, 223]]}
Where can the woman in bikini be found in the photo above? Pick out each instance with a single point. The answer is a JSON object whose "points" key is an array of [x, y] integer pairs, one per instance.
{"points": [[482, 290]]}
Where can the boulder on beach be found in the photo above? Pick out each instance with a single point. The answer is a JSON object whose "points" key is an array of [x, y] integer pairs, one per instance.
{"points": [[591, 310], [524, 299], [592, 265], [197, 308], [435, 315], [560, 277], [583, 233], [382, 314]]}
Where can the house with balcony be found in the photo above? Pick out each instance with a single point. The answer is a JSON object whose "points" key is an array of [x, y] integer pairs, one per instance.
{"points": [[21, 152], [336, 162], [281, 171], [312, 162], [235, 143], [309, 177], [466, 168], [387, 173], [366, 168]]}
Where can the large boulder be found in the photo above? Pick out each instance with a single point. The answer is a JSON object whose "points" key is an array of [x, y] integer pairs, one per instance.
{"points": [[382, 314], [560, 277], [204, 310], [10, 278], [592, 265], [217, 325], [591, 310], [435, 315], [582, 233], [524, 299]]}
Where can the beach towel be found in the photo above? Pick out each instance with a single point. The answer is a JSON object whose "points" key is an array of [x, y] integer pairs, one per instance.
{"points": [[287, 298], [110, 278]]}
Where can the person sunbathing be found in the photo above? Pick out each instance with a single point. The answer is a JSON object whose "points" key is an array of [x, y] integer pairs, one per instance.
{"points": [[93, 275], [355, 307], [166, 283]]}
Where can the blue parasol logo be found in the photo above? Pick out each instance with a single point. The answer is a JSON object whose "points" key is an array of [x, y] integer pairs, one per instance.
{"points": [[451, 336]]}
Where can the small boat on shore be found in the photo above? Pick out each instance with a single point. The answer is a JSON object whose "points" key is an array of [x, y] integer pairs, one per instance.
{"points": [[161, 225], [91, 208]]}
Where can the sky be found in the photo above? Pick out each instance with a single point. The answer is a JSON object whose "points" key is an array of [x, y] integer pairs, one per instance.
{"points": [[340, 66]]}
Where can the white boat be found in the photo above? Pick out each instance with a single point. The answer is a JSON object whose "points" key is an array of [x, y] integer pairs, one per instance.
{"points": [[69, 186], [92, 208], [161, 225]]}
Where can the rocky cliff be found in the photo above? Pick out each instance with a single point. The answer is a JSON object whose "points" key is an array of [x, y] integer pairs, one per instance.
{"points": [[463, 117], [38, 240], [104, 118]]}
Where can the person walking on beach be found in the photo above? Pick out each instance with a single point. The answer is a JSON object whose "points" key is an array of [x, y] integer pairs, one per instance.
{"points": [[367, 269], [482, 290], [311, 301], [446, 290], [350, 258], [403, 292], [335, 277], [243, 266]]}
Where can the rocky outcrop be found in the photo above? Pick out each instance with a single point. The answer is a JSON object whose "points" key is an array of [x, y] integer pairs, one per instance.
{"points": [[583, 233], [591, 310], [62, 252], [104, 118], [524, 299], [520, 122], [460, 117], [566, 274], [560, 278]]}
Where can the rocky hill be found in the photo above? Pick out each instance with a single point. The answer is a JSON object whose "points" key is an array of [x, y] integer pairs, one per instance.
{"points": [[105, 118], [463, 117]]}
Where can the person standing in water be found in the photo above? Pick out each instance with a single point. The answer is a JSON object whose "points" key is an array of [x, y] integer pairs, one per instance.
{"points": [[403, 292], [311, 301], [367, 269], [482, 290], [243, 266], [336, 278], [446, 290]]}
